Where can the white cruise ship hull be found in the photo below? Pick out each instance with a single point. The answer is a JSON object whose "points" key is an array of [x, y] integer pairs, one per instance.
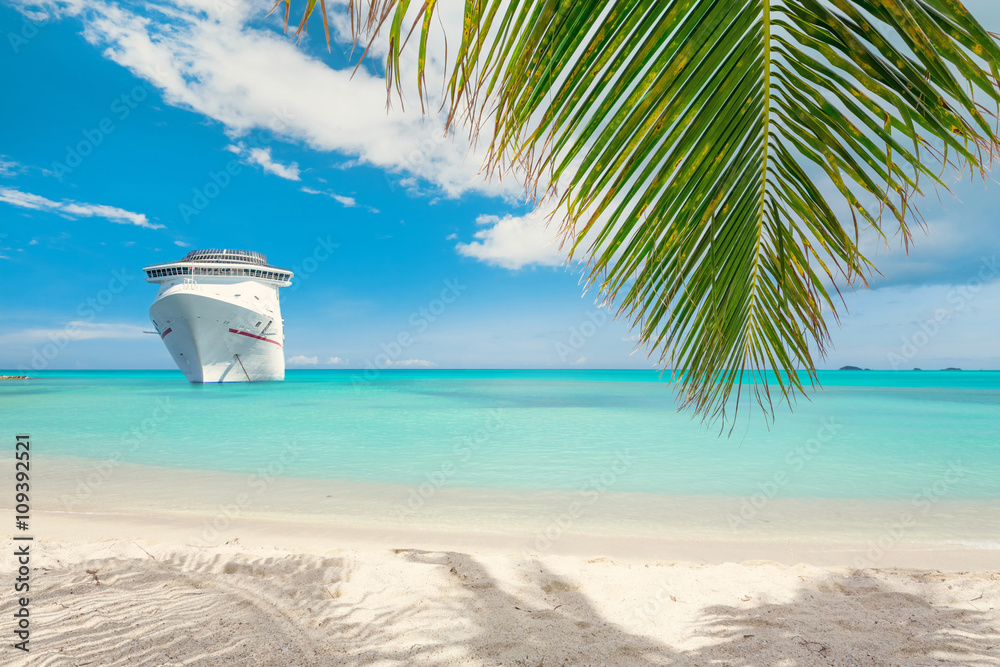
{"points": [[217, 312], [214, 340]]}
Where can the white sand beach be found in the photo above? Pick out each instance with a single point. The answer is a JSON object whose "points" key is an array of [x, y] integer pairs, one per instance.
{"points": [[128, 590]]}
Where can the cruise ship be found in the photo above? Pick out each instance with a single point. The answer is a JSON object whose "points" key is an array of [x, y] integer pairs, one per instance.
{"points": [[217, 312]]}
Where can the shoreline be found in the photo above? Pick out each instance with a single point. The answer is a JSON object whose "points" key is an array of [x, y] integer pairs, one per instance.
{"points": [[307, 536], [211, 504]]}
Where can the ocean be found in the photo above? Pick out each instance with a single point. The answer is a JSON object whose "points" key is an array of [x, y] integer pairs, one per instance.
{"points": [[888, 439]]}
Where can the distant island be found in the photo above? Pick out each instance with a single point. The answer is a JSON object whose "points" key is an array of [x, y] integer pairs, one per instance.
{"points": [[850, 368], [951, 369], [13, 377]]}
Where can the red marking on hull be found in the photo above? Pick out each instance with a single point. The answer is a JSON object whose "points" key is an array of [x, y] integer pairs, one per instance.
{"points": [[244, 333], [163, 335]]}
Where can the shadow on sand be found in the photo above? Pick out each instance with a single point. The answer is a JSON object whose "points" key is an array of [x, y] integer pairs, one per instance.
{"points": [[200, 609]]}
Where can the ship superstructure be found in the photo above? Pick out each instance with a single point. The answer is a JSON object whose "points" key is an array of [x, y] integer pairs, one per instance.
{"points": [[217, 312]]}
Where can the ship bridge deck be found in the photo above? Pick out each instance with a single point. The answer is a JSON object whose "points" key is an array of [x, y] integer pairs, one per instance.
{"points": [[239, 264]]}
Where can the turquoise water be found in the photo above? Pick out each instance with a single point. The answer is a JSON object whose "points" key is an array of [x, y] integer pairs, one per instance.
{"points": [[888, 435]]}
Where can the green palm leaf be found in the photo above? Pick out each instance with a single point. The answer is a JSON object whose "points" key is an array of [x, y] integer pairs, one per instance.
{"points": [[701, 148]]}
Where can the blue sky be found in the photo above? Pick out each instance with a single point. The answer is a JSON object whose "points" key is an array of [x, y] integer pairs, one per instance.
{"points": [[120, 122]]}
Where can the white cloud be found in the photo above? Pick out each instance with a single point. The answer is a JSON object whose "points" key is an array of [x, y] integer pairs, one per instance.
{"points": [[205, 56], [337, 361], [75, 330], [451, 237], [74, 209], [262, 158], [8, 167], [346, 202], [515, 241], [302, 360], [182, 244], [411, 363]]}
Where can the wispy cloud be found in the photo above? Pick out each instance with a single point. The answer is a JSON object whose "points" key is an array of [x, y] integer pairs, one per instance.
{"points": [[74, 209], [8, 167], [262, 158], [343, 200], [337, 361]]}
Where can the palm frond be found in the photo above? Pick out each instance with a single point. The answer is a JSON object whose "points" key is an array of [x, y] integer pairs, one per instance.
{"points": [[702, 149]]}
